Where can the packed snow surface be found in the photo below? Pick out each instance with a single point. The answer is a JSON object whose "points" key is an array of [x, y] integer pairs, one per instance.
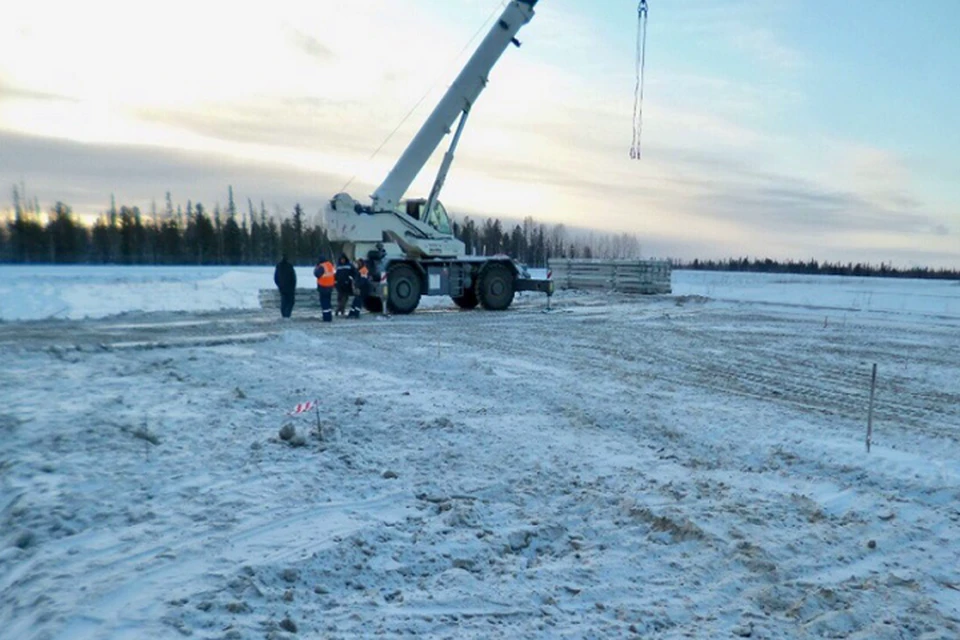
{"points": [[660, 467]]}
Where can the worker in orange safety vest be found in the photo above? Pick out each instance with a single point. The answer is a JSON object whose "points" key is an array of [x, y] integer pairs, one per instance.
{"points": [[325, 273]]}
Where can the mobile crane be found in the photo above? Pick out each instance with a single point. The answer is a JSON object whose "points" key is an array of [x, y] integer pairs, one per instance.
{"points": [[410, 243]]}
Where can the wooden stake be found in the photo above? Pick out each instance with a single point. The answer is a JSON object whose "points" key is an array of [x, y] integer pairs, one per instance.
{"points": [[873, 387]]}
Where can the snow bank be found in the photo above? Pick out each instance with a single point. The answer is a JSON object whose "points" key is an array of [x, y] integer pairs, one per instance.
{"points": [[77, 292], [838, 293]]}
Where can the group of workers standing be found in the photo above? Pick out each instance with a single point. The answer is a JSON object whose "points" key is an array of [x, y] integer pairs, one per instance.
{"points": [[346, 278]]}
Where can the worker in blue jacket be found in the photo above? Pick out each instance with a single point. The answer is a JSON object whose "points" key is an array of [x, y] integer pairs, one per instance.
{"points": [[346, 278], [285, 277], [363, 288]]}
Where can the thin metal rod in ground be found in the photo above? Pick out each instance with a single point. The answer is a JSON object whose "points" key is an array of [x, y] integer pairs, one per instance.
{"points": [[873, 388]]}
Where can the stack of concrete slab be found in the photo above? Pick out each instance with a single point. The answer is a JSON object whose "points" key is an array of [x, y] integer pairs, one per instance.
{"points": [[627, 276], [305, 299]]}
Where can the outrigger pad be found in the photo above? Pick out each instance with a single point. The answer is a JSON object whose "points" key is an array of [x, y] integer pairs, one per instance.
{"points": [[532, 284]]}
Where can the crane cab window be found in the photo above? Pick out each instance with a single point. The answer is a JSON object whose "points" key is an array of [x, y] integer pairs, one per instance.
{"points": [[413, 208], [438, 218]]}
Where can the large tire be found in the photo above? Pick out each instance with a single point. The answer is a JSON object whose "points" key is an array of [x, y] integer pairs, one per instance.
{"points": [[373, 304], [468, 300], [403, 294], [495, 287]]}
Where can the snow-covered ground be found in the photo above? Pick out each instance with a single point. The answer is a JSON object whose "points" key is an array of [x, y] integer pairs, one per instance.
{"points": [[665, 467], [43, 292], [40, 292], [829, 294]]}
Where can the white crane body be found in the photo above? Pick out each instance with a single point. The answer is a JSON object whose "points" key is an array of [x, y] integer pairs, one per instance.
{"points": [[411, 241]]}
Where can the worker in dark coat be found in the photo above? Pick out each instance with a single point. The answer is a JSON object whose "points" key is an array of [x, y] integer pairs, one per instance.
{"points": [[325, 273], [285, 277], [346, 277], [363, 288]]}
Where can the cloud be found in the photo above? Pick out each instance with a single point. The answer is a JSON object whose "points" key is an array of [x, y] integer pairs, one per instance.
{"points": [[744, 27], [11, 92], [310, 45], [85, 175], [762, 44], [297, 122], [809, 209]]}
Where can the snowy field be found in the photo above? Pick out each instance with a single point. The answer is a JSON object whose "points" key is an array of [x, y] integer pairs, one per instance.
{"points": [[42, 292], [686, 466]]}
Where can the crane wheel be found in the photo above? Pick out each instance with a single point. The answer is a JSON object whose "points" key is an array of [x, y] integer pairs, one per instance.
{"points": [[468, 300], [403, 293], [495, 287]]}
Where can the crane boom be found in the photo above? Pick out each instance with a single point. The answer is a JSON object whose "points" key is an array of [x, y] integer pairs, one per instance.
{"points": [[456, 101]]}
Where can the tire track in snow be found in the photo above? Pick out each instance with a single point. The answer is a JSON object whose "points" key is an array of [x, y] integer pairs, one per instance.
{"points": [[831, 390], [130, 604]]}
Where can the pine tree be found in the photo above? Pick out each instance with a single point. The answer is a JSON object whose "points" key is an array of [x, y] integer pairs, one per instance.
{"points": [[191, 248], [232, 240], [299, 250], [67, 238], [170, 242], [271, 236], [469, 237], [218, 231], [28, 239], [288, 240], [253, 240], [540, 252], [128, 235], [206, 237], [100, 237], [113, 230], [518, 247]]}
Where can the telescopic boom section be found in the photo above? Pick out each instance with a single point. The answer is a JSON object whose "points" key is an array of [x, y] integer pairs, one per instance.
{"points": [[461, 95]]}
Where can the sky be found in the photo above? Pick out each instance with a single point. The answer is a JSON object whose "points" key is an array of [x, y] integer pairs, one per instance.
{"points": [[772, 128]]}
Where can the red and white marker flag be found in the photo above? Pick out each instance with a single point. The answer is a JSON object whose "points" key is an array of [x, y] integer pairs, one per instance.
{"points": [[303, 406]]}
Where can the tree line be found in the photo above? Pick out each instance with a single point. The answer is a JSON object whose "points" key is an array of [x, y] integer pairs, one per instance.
{"points": [[174, 236], [815, 267], [192, 234]]}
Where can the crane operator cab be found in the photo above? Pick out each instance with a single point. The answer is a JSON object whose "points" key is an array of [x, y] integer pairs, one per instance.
{"points": [[437, 217], [407, 230]]}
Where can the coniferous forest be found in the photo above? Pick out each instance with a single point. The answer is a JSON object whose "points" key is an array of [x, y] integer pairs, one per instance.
{"points": [[178, 234], [193, 234]]}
